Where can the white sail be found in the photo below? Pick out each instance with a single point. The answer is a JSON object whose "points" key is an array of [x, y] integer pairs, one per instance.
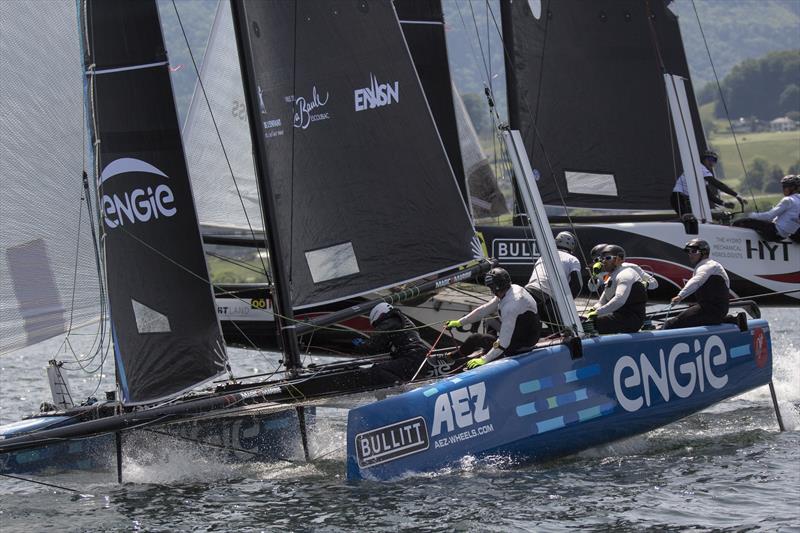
{"points": [[48, 278], [216, 195], [485, 197]]}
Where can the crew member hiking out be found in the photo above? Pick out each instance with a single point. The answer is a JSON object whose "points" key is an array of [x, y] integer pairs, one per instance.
{"points": [[622, 305], [394, 334], [597, 277], [539, 285], [710, 286], [519, 321], [680, 193], [783, 220]]}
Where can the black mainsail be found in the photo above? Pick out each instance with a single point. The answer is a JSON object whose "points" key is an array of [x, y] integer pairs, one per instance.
{"points": [[363, 194], [586, 89], [166, 334]]}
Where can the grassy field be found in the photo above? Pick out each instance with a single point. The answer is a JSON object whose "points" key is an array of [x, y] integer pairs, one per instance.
{"points": [[780, 148]]}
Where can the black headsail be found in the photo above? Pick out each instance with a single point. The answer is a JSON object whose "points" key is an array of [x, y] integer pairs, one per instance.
{"points": [[422, 22], [363, 193], [166, 334], [586, 89]]}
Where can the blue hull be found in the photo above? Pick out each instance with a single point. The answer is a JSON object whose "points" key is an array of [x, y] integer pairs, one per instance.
{"points": [[239, 439], [545, 404]]}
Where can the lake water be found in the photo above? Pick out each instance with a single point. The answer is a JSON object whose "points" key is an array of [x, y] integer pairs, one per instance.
{"points": [[725, 469]]}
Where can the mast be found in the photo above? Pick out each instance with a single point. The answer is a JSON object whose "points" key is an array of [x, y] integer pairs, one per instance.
{"points": [[284, 314]]}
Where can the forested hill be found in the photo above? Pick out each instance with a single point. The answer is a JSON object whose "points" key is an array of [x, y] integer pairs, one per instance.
{"points": [[735, 30]]}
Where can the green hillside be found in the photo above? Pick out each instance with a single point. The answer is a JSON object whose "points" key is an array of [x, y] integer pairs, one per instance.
{"points": [[735, 30]]}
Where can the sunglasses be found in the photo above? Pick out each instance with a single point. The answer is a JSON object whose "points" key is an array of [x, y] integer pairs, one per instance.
{"points": [[692, 251], [608, 258]]}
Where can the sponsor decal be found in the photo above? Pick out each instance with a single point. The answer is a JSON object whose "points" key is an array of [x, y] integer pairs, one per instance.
{"points": [[391, 442], [140, 204], [460, 408], [515, 250], [261, 105], [377, 94], [452, 279], [244, 309], [771, 251], [308, 110], [239, 110], [682, 370], [760, 351]]}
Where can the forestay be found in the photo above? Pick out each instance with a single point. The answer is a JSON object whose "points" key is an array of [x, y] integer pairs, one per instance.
{"points": [[49, 280], [166, 335], [364, 193], [587, 92]]}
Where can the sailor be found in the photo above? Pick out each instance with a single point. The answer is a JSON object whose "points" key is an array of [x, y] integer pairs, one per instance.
{"points": [[622, 304], [709, 284], [519, 321], [783, 220], [395, 335], [539, 285], [597, 281], [680, 193]]}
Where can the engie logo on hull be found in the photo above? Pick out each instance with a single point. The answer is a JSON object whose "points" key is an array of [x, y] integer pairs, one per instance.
{"points": [[391, 442], [138, 205]]}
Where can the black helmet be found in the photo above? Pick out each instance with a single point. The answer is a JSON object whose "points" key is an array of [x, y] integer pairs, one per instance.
{"points": [[497, 279], [595, 253], [790, 180], [698, 244], [613, 249], [708, 154]]}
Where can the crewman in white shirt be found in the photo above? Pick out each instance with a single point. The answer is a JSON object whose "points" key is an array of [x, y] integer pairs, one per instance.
{"points": [[710, 286], [622, 305], [519, 319], [783, 220]]}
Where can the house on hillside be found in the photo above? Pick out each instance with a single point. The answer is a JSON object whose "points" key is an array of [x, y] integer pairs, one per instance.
{"points": [[782, 124]]}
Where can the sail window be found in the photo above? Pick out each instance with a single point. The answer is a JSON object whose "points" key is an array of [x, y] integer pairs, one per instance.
{"points": [[149, 320], [332, 262], [591, 183]]}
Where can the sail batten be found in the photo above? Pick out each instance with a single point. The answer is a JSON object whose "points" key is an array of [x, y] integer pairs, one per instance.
{"points": [[349, 150], [165, 330]]}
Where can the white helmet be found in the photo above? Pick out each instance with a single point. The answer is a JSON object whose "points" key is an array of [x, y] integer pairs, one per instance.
{"points": [[566, 241], [378, 311]]}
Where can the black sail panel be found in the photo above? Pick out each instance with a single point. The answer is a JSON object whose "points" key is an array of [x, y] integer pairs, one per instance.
{"points": [[422, 22], [586, 89], [166, 334], [364, 194]]}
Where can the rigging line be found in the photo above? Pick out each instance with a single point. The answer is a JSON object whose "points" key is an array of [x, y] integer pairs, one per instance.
{"points": [[52, 485], [235, 262], [469, 40], [537, 134], [661, 66], [216, 129], [253, 345], [480, 44], [725, 106]]}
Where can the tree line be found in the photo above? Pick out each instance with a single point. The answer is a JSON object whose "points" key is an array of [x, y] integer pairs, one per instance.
{"points": [[764, 88]]}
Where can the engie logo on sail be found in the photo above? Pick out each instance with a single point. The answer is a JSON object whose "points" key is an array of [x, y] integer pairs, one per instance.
{"points": [[377, 94], [138, 205]]}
